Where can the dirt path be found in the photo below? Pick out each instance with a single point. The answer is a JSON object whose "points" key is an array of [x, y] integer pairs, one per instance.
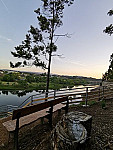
{"points": [[37, 136]]}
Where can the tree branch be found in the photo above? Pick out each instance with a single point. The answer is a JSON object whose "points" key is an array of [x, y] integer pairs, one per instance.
{"points": [[59, 55], [67, 35]]}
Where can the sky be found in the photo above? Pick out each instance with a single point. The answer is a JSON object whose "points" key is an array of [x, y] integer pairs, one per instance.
{"points": [[85, 53]]}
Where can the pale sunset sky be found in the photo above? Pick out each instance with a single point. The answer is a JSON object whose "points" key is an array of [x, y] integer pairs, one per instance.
{"points": [[86, 53]]}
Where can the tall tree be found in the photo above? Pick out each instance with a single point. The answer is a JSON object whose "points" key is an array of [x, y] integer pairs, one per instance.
{"points": [[40, 41], [109, 30]]}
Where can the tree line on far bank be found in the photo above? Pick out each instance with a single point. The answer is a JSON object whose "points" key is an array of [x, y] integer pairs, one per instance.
{"points": [[33, 81]]}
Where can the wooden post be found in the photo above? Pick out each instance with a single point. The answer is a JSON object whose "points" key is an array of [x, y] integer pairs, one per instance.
{"points": [[103, 93], [16, 133], [99, 94], [86, 96], [46, 95], [67, 105], [31, 100], [54, 93], [42, 120]]}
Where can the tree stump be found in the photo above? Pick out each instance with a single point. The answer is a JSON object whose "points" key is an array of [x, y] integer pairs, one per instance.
{"points": [[71, 131]]}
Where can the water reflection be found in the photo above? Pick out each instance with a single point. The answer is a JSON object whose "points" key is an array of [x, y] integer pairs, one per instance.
{"points": [[5, 92], [19, 93]]}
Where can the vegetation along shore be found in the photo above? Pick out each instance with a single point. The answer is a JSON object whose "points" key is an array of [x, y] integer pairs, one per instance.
{"points": [[12, 80]]}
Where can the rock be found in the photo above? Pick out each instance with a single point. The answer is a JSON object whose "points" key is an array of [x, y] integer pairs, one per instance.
{"points": [[71, 131]]}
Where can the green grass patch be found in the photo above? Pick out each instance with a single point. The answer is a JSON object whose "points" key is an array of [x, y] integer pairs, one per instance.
{"points": [[103, 104], [88, 103]]}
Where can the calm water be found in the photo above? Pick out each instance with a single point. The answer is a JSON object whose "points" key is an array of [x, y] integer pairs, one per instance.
{"points": [[14, 97]]}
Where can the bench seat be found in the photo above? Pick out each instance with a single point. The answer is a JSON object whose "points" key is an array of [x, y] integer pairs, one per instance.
{"points": [[11, 124]]}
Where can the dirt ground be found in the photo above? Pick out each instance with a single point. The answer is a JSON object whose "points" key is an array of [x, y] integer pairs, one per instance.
{"points": [[37, 136]]}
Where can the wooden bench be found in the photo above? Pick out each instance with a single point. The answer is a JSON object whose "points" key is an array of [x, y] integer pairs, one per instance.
{"points": [[25, 116]]}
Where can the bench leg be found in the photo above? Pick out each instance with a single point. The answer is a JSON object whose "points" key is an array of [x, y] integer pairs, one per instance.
{"points": [[50, 120], [59, 112], [42, 120], [10, 137], [16, 135], [67, 106], [49, 116]]}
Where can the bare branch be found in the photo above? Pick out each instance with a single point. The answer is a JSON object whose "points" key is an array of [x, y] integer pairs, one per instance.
{"points": [[60, 56], [67, 35], [60, 35]]}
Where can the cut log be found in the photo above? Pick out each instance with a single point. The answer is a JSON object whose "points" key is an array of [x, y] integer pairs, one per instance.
{"points": [[71, 131]]}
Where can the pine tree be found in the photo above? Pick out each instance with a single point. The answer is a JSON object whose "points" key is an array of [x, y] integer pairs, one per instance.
{"points": [[38, 47]]}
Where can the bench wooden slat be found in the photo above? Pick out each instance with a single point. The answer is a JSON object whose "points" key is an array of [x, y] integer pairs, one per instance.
{"points": [[11, 124], [58, 106], [31, 109], [25, 116]]}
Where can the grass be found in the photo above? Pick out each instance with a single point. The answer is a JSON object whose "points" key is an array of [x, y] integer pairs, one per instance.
{"points": [[103, 104], [33, 85], [29, 86], [88, 103]]}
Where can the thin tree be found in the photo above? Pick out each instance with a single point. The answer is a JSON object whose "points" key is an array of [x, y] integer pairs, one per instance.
{"points": [[40, 41]]}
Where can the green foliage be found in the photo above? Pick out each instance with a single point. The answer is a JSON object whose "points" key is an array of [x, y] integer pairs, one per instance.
{"points": [[11, 77], [34, 81], [39, 45], [23, 83], [109, 74], [39, 40], [88, 103], [103, 104], [109, 30]]}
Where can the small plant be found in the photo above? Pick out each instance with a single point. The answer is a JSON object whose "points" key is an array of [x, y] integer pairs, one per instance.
{"points": [[103, 104], [82, 103], [73, 105], [92, 102], [88, 103]]}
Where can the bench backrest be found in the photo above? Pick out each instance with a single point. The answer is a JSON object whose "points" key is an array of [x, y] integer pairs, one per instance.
{"points": [[32, 109]]}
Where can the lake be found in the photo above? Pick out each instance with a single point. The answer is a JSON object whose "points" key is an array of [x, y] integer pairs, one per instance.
{"points": [[14, 97]]}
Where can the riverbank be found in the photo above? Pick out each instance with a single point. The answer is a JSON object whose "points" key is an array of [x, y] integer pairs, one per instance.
{"points": [[37, 136], [32, 86]]}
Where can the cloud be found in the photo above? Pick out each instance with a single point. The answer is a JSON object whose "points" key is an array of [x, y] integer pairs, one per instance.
{"points": [[5, 38], [69, 61], [76, 63]]}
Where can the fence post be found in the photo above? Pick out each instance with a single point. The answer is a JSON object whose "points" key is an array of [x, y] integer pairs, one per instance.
{"points": [[46, 95], [31, 99], [99, 94], [86, 96], [67, 105], [54, 93], [103, 93]]}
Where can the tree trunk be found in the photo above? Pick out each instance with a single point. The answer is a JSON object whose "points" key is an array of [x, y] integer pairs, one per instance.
{"points": [[48, 75], [50, 54]]}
